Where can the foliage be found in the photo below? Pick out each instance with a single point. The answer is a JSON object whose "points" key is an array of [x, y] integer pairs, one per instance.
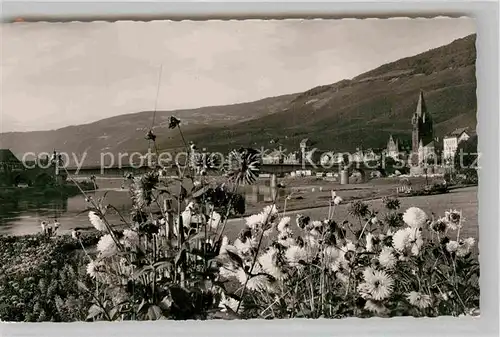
{"points": [[38, 279]]}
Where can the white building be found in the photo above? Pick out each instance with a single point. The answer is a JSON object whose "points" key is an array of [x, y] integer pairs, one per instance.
{"points": [[451, 141]]}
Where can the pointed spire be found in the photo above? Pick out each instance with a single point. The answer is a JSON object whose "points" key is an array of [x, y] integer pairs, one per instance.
{"points": [[421, 106]]}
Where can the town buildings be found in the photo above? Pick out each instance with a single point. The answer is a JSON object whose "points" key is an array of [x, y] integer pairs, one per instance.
{"points": [[451, 141], [10, 167]]}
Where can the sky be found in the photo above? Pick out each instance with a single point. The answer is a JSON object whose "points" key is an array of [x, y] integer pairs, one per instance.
{"points": [[59, 74]]}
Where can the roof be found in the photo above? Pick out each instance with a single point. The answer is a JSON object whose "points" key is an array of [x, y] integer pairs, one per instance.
{"points": [[459, 131], [6, 156]]}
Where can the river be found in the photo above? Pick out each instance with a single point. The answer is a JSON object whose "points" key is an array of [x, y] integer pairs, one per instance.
{"points": [[22, 217]]}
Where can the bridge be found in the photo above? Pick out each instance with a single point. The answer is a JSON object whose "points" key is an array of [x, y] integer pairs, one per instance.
{"points": [[278, 169]]}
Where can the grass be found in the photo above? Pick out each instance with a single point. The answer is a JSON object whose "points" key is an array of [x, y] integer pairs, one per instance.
{"points": [[464, 199]]}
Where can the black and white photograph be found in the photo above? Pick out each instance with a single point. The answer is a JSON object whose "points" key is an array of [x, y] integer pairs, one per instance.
{"points": [[238, 169]]}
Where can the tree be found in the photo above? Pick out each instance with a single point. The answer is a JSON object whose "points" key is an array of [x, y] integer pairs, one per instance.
{"points": [[465, 160]]}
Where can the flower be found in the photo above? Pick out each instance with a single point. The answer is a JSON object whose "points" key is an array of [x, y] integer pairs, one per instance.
{"points": [[400, 239], [375, 307], [173, 122], [331, 256], [454, 219], [284, 223], [378, 284], [107, 246], [245, 246], [414, 217], [93, 269], [253, 221], [419, 300], [452, 246], [258, 280], [302, 221], [391, 203], [408, 238], [243, 166], [214, 220], [269, 263], [336, 200], [96, 221], [295, 254], [439, 226], [229, 302], [386, 258], [285, 238], [130, 238], [465, 246], [358, 208], [263, 221], [75, 234]]}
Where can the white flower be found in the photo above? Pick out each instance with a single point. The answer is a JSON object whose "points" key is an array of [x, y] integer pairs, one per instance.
{"points": [[369, 242], [93, 269], [465, 246], [336, 199], [415, 217], [285, 238], [270, 211], [452, 246], [386, 258], [255, 281], [130, 238], [229, 302], [368, 274], [419, 300], [96, 221], [245, 247], [214, 220], [107, 246], [269, 264], [408, 238], [294, 254], [75, 234], [255, 221], [400, 239], [284, 223], [379, 285], [311, 241]]}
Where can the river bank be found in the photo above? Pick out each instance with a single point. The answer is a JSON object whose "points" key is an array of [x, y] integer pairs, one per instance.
{"points": [[64, 191]]}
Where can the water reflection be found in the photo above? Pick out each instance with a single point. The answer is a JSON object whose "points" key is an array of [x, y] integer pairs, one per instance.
{"points": [[23, 216]]}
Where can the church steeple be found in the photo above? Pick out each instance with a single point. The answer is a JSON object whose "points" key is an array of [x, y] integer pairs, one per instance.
{"points": [[421, 110]]}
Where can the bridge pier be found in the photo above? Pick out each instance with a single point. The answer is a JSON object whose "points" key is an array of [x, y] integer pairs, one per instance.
{"points": [[274, 181], [344, 177]]}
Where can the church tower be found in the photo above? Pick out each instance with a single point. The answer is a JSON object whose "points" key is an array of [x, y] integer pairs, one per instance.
{"points": [[423, 133]]}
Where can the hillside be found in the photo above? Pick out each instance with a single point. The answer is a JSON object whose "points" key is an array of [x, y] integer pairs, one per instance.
{"points": [[362, 111]]}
